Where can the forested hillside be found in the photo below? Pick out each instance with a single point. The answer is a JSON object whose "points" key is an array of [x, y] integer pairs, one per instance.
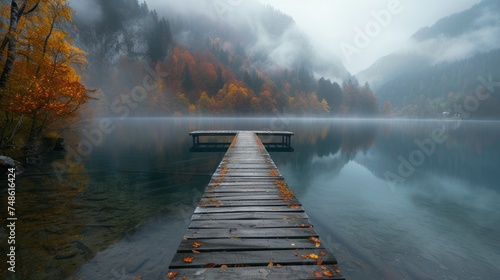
{"points": [[260, 66]]}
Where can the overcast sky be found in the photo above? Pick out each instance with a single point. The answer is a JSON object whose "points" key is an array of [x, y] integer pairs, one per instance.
{"points": [[332, 24]]}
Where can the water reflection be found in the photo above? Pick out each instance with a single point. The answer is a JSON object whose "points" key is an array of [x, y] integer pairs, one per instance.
{"points": [[441, 216], [138, 189]]}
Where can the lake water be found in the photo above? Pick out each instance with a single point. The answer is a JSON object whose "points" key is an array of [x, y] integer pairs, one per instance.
{"points": [[392, 199]]}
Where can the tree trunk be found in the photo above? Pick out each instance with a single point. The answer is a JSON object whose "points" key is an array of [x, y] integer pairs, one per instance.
{"points": [[10, 39]]}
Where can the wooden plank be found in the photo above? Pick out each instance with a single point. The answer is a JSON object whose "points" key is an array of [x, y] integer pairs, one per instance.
{"points": [[228, 224], [240, 244], [250, 233], [250, 215], [201, 210], [243, 197], [268, 183], [244, 190], [286, 272], [239, 203], [254, 258]]}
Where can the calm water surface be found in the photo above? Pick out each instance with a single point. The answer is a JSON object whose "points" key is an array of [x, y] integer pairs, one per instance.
{"points": [[391, 199]]}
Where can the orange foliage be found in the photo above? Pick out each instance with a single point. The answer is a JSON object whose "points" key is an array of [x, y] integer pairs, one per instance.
{"points": [[44, 82]]}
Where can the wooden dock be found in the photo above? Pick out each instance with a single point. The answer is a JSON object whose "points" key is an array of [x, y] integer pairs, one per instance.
{"points": [[250, 225], [275, 146]]}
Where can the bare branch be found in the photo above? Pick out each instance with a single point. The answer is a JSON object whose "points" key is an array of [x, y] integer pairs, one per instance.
{"points": [[33, 8]]}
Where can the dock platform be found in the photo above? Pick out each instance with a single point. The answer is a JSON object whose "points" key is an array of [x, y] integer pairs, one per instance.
{"points": [[250, 225], [272, 145]]}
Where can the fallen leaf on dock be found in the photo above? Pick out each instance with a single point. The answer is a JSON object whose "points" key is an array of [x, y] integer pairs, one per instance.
{"points": [[172, 274], [195, 252], [318, 274], [209, 265], [315, 240], [274, 172], [313, 256], [188, 259], [223, 266], [196, 244], [270, 264], [328, 273]]}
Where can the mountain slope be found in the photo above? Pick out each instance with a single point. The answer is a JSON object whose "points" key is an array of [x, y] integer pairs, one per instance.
{"points": [[245, 59], [445, 58]]}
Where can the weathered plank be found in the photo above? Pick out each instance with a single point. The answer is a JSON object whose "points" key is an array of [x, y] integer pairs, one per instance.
{"points": [[231, 203], [250, 233], [270, 273], [244, 244], [242, 197], [250, 215], [200, 210], [254, 258], [268, 223]]}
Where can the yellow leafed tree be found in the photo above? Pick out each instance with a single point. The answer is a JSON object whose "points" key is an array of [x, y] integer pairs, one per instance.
{"points": [[43, 84]]}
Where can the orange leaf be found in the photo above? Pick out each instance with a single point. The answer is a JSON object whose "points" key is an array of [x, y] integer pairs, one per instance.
{"points": [[313, 256], [196, 244], [319, 262], [274, 172], [318, 274], [328, 273], [184, 277], [270, 264], [172, 274], [223, 266], [188, 259]]}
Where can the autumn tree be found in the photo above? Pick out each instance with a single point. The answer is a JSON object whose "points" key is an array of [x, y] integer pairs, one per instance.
{"points": [[204, 103], [44, 85], [9, 41]]}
